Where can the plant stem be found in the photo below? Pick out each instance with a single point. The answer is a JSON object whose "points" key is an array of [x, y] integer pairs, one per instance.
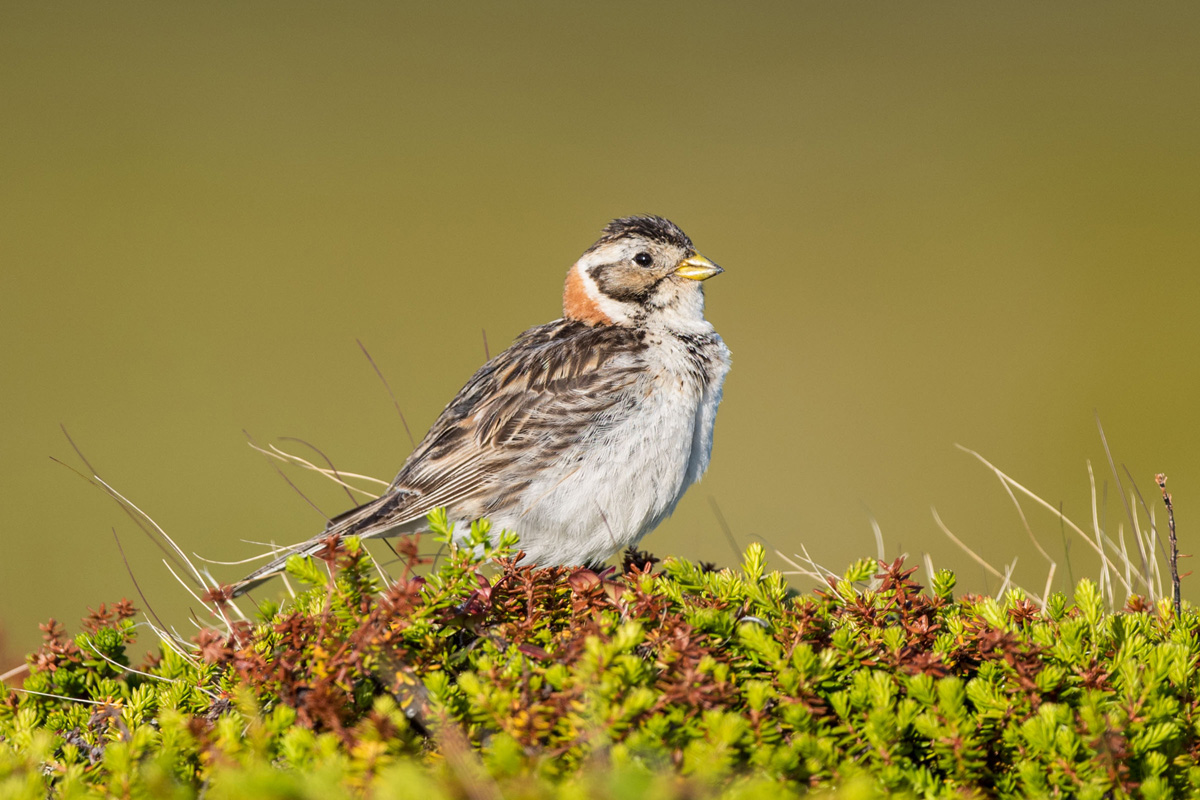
{"points": [[1161, 480]]}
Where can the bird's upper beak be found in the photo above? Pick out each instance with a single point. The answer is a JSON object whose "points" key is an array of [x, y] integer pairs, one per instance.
{"points": [[697, 268]]}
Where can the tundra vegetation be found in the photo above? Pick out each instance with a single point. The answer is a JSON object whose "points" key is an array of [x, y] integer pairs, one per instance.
{"points": [[476, 677]]}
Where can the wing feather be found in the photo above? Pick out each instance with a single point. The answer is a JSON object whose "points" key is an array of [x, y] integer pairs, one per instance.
{"points": [[532, 401]]}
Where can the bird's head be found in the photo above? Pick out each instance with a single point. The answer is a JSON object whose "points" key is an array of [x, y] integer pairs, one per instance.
{"points": [[643, 269]]}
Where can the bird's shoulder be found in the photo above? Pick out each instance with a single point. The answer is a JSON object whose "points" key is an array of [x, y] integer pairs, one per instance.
{"points": [[564, 355]]}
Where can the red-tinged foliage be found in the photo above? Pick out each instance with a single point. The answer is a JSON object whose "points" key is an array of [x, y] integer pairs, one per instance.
{"points": [[691, 669], [56, 650]]}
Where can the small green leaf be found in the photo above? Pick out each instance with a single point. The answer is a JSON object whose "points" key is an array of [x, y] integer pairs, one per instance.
{"points": [[305, 570]]}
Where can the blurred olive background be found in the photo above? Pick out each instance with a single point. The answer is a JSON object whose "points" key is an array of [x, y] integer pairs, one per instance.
{"points": [[941, 224]]}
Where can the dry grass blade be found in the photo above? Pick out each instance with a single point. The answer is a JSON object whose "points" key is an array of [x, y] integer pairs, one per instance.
{"points": [[131, 670], [175, 642], [1154, 537], [199, 599], [1105, 574], [1024, 520], [203, 580], [14, 672], [1147, 554], [64, 698], [1049, 583], [276, 549], [296, 489], [137, 520], [337, 477], [974, 556], [157, 528], [814, 570], [1120, 486], [880, 552], [1057, 512], [1008, 571], [1029, 530], [1124, 552], [240, 562]]}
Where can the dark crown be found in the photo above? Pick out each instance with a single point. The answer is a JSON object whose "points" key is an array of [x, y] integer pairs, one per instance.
{"points": [[647, 226]]}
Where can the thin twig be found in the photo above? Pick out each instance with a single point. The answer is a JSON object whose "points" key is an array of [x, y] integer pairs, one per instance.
{"points": [[138, 588], [294, 487], [1154, 537], [391, 394], [337, 475], [725, 529], [1161, 480]]}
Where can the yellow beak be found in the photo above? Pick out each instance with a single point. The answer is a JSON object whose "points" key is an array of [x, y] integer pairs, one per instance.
{"points": [[697, 268]]}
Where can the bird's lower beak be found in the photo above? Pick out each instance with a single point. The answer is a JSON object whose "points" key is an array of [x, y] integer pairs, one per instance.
{"points": [[697, 268]]}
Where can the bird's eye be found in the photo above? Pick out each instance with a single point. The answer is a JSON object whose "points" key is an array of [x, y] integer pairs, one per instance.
{"points": [[643, 259]]}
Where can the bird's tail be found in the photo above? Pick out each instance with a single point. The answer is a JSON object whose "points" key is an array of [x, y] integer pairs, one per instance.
{"points": [[375, 518]]}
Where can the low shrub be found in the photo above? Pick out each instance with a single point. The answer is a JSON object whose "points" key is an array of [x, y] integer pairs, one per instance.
{"points": [[483, 678]]}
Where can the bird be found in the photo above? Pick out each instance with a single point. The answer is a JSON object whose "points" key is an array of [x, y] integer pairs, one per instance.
{"points": [[585, 433]]}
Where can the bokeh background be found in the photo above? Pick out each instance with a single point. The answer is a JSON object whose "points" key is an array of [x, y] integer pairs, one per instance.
{"points": [[947, 223]]}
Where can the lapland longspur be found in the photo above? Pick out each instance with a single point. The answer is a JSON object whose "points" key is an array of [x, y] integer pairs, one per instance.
{"points": [[584, 434]]}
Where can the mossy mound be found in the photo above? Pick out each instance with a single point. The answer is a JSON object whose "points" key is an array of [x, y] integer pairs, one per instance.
{"points": [[487, 679]]}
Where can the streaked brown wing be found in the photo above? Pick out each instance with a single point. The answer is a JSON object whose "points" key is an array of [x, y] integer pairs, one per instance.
{"points": [[542, 395]]}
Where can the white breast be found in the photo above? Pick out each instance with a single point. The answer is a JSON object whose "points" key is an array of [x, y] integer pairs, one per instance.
{"points": [[609, 492]]}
